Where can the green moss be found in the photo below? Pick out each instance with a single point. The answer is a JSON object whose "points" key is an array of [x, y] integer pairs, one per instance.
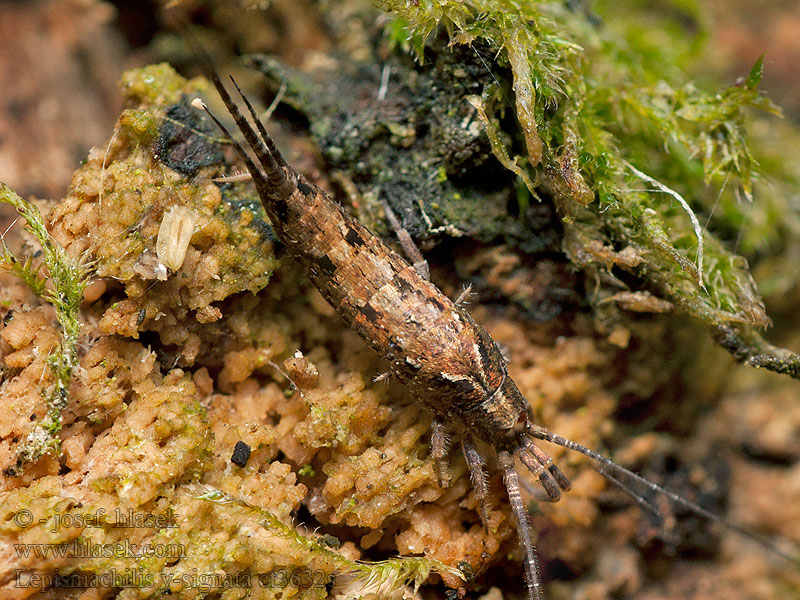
{"points": [[598, 99], [386, 576], [307, 470], [62, 288]]}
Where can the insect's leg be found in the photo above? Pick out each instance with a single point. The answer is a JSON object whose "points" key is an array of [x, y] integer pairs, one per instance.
{"points": [[440, 443], [382, 377], [536, 493], [407, 244], [465, 293], [478, 477], [511, 480], [241, 177], [538, 470]]}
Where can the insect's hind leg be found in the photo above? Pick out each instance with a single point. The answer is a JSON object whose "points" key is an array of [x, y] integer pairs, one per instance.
{"points": [[407, 244]]}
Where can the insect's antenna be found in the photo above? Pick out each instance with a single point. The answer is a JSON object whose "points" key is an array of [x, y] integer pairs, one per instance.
{"points": [[511, 480], [541, 433], [643, 503]]}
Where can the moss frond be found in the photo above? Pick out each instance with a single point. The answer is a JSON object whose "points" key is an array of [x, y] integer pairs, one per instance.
{"points": [[382, 577], [27, 270], [598, 103], [67, 279]]}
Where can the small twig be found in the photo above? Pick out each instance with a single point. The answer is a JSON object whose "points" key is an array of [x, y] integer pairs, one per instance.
{"points": [[385, 74], [103, 171], [698, 231], [275, 101]]}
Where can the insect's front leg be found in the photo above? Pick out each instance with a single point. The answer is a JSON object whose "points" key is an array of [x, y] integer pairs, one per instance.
{"points": [[477, 476], [407, 244]]}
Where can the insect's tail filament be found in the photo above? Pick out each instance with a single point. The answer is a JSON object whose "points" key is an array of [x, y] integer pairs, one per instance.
{"points": [[256, 173], [273, 177], [511, 480], [265, 137], [610, 469], [261, 143]]}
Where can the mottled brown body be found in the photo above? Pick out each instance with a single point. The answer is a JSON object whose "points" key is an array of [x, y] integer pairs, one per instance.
{"points": [[449, 362]]}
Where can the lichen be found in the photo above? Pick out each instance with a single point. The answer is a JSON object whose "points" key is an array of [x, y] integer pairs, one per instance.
{"points": [[164, 155]]}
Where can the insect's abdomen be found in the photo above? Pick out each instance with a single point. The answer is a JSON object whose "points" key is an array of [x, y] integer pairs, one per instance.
{"points": [[371, 287], [431, 344]]}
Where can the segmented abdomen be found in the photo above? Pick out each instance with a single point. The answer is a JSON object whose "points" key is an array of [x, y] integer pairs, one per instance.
{"points": [[429, 342], [371, 287]]}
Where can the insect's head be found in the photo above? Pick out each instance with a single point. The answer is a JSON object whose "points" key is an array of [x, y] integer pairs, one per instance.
{"points": [[501, 419]]}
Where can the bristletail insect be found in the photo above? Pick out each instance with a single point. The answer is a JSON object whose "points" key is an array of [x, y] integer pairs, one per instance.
{"points": [[447, 361]]}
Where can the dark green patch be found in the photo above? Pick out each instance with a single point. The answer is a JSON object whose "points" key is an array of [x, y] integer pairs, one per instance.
{"points": [[420, 147], [186, 141]]}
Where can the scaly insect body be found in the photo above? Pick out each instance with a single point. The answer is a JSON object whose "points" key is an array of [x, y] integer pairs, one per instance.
{"points": [[449, 362], [432, 345]]}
